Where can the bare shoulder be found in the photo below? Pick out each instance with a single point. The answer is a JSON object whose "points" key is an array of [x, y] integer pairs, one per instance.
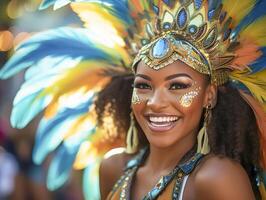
{"points": [[218, 177], [111, 169]]}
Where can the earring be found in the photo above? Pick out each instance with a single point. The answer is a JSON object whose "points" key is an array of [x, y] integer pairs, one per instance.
{"points": [[135, 98], [203, 142], [132, 137]]}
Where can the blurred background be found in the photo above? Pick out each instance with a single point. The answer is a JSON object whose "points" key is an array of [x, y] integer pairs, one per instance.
{"points": [[20, 178]]}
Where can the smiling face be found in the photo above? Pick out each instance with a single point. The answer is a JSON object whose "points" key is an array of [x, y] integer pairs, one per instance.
{"points": [[168, 103]]}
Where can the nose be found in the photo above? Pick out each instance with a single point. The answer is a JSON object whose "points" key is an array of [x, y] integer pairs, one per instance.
{"points": [[158, 100]]}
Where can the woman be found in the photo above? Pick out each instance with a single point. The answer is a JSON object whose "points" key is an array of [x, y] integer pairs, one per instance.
{"points": [[175, 91], [197, 112], [171, 127]]}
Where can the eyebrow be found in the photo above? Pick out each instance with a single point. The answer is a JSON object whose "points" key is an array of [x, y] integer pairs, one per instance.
{"points": [[177, 75], [167, 78], [144, 76]]}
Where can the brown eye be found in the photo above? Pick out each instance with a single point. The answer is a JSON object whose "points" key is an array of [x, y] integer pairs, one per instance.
{"points": [[142, 86], [178, 86]]}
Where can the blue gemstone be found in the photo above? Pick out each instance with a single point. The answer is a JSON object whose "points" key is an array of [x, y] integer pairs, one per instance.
{"points": [[182, 18], [155, 9], [211, 14], [198, 4], [192, 29], [166, 26], [161, 48]]}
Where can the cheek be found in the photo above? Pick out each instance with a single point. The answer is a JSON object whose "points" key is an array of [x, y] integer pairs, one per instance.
{"points": [[187, 99], [190, 104], [138, 97]]}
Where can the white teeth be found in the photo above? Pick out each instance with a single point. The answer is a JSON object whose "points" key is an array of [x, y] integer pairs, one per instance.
{"points": [[163, 119]]}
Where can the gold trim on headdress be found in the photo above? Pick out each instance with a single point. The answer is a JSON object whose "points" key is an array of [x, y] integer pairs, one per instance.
{"points": [[183, 32]]}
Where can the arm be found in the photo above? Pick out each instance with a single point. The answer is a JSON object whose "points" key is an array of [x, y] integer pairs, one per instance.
{"points": [[220, 178]]}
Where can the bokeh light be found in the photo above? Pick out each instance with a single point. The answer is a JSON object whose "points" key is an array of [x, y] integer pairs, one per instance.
{"points": [[6, 40]]}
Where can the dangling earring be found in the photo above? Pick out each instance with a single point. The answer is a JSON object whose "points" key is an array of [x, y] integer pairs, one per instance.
{"points": [[132, 137], [203, 142]]}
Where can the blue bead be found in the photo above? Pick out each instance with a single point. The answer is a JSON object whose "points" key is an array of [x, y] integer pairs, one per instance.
{"points": [[198, 4], [182, 18], [161, 48]]}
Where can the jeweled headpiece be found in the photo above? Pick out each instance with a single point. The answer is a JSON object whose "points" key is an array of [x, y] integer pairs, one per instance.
{"points": [[68, 67], [187, 31]]}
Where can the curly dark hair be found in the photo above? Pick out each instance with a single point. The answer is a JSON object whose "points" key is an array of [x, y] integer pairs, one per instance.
{"points": [[232, 130]]}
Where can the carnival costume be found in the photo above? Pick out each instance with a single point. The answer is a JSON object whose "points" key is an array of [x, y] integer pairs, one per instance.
{"points": [[223, 39]]}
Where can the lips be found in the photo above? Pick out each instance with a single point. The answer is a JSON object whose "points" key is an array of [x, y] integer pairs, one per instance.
{"points": [[161, 123]]}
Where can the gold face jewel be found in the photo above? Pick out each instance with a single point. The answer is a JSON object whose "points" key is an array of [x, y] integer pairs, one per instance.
{"points": [[135, 98], [187, 99]]}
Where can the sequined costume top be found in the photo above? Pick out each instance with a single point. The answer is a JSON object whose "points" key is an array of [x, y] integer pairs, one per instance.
{"points": [[168, 187]]}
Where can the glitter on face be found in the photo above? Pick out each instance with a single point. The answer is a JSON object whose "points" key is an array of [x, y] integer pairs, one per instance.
{"points": [[135, 98], [187, 99]]}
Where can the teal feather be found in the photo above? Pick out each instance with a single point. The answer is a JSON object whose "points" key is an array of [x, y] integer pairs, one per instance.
{"points": [[26, 108], [15, 64], [70, 43], [91, 183], [51, 132], [63, 160], [61, 166], [46, 4]]}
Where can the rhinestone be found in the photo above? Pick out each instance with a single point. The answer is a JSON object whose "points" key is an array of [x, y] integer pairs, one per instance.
{"points": [[192, 29], [198, 4], [182, 18], [161, 48]]}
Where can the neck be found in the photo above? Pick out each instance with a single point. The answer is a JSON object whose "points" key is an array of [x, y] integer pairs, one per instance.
{"points": [[165, 159]]}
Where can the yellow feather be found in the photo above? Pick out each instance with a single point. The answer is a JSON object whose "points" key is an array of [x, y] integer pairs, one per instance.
{"points": [[256, 83], [75, 81], [104, 28], [238, 9], [86, 155], [255, 32], [84, 9]]}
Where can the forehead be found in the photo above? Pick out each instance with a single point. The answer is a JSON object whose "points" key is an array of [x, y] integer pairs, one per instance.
{"points": [[178, 67]]}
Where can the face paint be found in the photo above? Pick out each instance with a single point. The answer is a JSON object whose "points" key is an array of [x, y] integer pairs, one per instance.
{"points": [[187, 99], [135, 98]]}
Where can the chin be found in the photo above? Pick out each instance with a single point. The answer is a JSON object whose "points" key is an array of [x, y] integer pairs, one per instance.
{"points": [[163, 140]]}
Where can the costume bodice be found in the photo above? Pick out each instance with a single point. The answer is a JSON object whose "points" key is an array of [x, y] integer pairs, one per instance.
{"points": [[168, 187]]}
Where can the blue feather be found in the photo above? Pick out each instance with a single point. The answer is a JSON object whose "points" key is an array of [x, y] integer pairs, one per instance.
{"points": [[46, 3], [239, 86], [260, 63], [50, 132], [61, 166], [71, 43], [257, 12]]}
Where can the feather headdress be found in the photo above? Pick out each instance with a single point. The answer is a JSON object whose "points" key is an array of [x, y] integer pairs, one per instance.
{"points": [[67, 65]]}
